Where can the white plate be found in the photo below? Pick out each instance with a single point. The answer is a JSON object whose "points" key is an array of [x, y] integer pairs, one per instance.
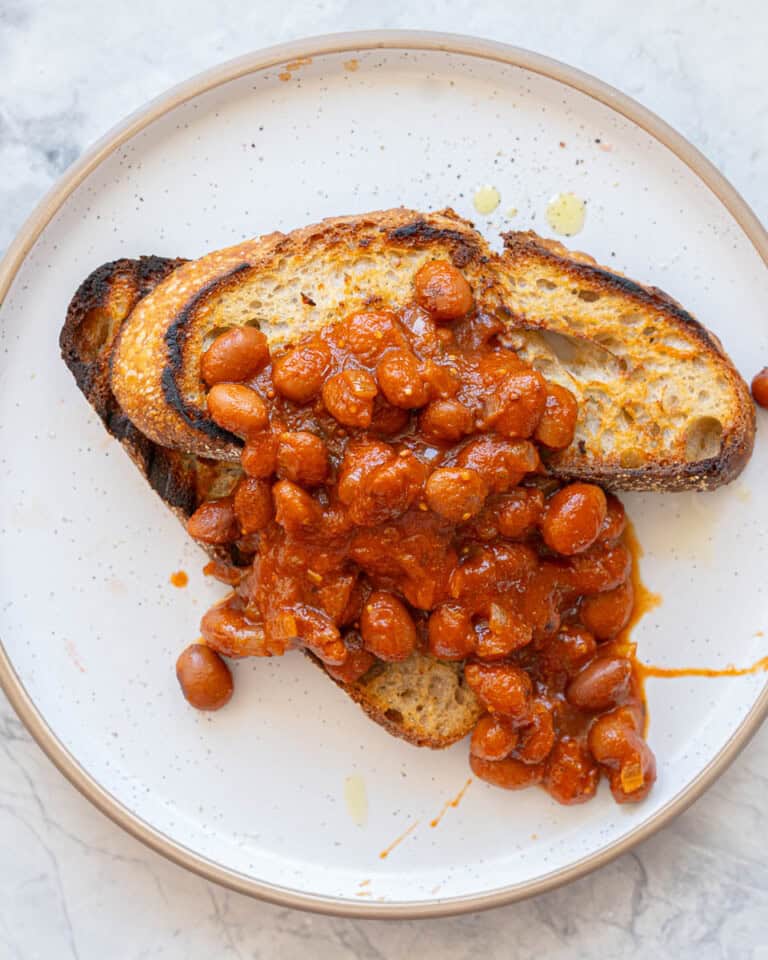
{"points": [[254, 796]]}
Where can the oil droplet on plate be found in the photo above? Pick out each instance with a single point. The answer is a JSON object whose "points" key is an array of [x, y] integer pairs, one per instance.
{"points": [[356, 799], [512, 212], [486, 199], [566, 214]]}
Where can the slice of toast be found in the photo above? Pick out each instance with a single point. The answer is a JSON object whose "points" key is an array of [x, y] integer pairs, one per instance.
{"points": [[661, 405], [288, 285], [423, 701]]}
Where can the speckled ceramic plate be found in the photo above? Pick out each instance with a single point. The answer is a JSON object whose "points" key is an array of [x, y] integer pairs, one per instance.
{"points": [[257, 796]]}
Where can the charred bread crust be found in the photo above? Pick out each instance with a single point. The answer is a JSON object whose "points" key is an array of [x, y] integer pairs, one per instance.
{"points": [[95, 313], [175, 339]]}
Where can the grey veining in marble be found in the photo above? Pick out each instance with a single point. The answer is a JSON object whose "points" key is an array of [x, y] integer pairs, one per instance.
{"points": [[72, 885]]}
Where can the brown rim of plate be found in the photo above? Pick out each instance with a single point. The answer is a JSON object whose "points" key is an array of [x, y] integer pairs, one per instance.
{"points": [[55, 198]]}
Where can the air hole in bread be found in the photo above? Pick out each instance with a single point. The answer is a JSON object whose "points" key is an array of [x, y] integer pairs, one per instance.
{"points": [[543, 284], [589, 296], [394, 716], [609, 342], [649, 331], [584, 359], [703, 439]]}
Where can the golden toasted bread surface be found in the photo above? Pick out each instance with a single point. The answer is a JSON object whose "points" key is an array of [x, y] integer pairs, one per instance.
{"points": [[661, 406]]}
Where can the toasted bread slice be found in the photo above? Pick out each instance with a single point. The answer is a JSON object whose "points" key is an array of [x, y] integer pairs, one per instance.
{"points": [[423, 701], [318, 274], [288, 285], [661, 407]]}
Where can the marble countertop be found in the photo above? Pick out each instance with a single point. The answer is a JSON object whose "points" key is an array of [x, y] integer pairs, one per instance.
{"points": [[72, 885]]}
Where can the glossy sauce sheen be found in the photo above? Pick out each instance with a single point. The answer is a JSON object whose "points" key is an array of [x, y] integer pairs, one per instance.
{"points": [[396, 501]]}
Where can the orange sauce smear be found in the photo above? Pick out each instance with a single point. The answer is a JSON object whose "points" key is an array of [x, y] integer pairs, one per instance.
{"points": [[395, 843], [645, 601], [451, 803], [648, 670], [179, 578]]}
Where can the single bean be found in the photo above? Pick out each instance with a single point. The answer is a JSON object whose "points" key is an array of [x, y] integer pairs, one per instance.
{"points": [[204, 678], [214, 522], [573, 518], [442, 290], [237, 408], [387, 628], [493, 738], [601, 685], [238, 354]]}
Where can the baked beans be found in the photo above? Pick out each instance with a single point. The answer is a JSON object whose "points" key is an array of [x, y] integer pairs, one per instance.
{"points": [[393, 501]]}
